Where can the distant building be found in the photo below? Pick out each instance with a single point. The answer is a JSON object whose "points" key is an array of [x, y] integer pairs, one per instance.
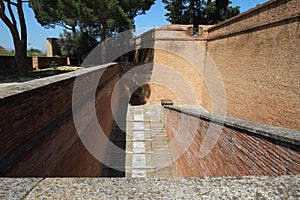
{"points": [[52, 47]]}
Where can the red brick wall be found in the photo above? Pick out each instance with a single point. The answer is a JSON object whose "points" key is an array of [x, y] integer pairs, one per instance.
{"points": [[257, 54], [8, 63], [237, 153], [38, 132], [45, 62]]}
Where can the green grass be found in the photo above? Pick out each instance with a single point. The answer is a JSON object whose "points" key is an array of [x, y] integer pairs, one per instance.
{"points": [[30, 52], [7, 53]]}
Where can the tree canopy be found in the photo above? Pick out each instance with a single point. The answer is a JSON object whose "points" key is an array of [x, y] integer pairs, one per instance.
{"points": [[106, 16], [90, 21], [198, 12], [77, 44]]}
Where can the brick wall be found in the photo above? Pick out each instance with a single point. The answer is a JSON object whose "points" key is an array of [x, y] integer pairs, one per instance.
{"points": [[8, 63], [256, 54], [45, 62], [237, 152], [37, 127]]}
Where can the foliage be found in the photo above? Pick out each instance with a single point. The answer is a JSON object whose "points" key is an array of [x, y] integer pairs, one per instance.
{"points": [[35, 52], [30, 52], [106, 17], [199, 11], [77, 44], [63, 13]]}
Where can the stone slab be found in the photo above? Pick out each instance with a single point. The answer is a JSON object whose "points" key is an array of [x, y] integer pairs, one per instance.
{"points": [[284, 187]]}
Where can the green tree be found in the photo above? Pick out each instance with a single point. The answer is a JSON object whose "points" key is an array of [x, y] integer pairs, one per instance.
{"points": [[77, 44], [18, 31], [105, 16], [199, 11], [134, 8], [64, 13], [35, 52]]}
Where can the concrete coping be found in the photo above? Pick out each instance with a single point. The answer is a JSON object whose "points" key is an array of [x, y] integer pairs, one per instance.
{"points": [[282, 187], [278, 133], [243, 15], [37, 83]]}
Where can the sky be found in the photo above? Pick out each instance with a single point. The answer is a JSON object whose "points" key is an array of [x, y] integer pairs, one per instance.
{"points": [[153, 18]]}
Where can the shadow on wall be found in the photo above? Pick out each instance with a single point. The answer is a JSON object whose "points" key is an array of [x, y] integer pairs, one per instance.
{"points": [[134, 89], [136, 79]]}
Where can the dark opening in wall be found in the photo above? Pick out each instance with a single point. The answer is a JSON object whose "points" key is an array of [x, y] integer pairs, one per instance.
{"points": [[140, 95]]}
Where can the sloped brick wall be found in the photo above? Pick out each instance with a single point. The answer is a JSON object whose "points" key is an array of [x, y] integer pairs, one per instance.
{"points": [[38, 135], [238, 152]]}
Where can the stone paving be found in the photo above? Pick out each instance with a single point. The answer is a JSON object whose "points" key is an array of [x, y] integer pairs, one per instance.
{"points": [[139, 145], [283, 187]]}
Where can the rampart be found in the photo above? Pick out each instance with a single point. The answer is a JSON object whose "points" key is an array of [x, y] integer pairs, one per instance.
{"points": [[257, 56], [255, 53]]}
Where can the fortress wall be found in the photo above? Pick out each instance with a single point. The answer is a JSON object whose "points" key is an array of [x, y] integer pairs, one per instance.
{"points": [[177, 74], [38, 134], [258, 56], [256, 53]]}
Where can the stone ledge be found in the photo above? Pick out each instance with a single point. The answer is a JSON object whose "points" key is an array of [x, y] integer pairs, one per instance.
{"points": [[283, 187], [278, 133], [37, 83]]}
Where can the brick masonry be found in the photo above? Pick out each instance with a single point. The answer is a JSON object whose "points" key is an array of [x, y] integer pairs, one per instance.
{"points": [[256, 54], [38, 133], [236, 153], [8, 63]]}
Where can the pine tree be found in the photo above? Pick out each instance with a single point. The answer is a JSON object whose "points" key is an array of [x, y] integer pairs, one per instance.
{"points": [[106, 16], [199, 11]]}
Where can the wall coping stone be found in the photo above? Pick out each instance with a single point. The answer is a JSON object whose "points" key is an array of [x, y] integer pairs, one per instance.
{"points": [[278, 133], [241, 16], [12, 90], [282, 187]]}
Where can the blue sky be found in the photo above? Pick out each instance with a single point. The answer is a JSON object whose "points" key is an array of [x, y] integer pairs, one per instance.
{"points": [[154, 17]]}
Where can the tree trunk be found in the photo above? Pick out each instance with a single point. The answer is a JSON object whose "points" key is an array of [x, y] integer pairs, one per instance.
{"points": [[103, 32], [192, 13], [20, 58], [20, 41]]}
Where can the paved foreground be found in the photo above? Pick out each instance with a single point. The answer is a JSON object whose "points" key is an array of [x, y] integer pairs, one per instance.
{"points": [[119, 188]]}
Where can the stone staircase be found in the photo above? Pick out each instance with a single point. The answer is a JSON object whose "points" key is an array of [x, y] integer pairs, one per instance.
{"points": [[140, 145]]}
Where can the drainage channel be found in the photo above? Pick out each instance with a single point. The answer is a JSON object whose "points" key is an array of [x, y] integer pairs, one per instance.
{"points": [[142, 150]]}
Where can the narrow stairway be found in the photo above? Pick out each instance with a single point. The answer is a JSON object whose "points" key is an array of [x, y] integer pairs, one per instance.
{"points": [[145, 143]]}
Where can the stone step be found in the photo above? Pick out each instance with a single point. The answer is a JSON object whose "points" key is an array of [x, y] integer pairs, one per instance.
{"points": [[139, 146]]}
